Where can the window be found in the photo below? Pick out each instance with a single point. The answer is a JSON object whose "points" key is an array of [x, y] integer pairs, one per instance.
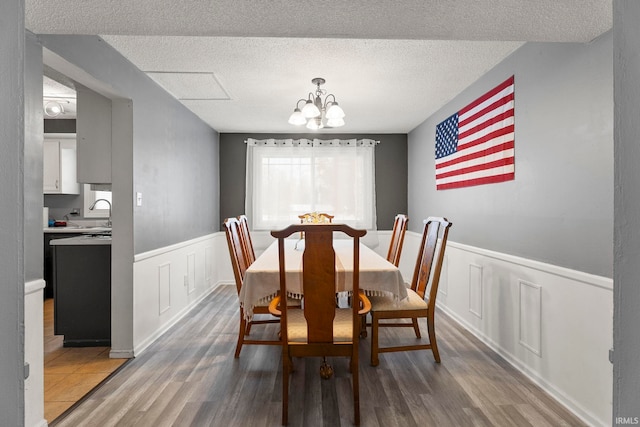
{"points": [[101, 209], [286, 178]]}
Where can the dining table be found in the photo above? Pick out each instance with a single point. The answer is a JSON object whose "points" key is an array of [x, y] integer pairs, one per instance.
{"points": [[262, 279]]}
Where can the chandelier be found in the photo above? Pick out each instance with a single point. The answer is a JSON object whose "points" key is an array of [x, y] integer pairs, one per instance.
{"points": [[315, 113]]}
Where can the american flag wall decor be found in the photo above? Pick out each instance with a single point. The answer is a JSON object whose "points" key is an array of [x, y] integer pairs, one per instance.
{"points": [[476, 145]]}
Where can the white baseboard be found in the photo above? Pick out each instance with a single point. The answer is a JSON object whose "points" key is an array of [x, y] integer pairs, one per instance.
{"points": [[121, 354]]}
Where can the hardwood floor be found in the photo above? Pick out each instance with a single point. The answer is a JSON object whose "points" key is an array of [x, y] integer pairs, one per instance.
{"points": [[70, 373], [189, 377]]}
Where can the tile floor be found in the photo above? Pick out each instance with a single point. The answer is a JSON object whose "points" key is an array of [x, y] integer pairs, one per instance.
{"points": [[70, 373]]}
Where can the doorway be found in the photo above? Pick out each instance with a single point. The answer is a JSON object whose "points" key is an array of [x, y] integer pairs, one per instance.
{"points": [[72, 372]]}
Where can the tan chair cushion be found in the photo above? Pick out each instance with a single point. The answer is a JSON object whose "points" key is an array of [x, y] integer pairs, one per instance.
{"points": [[291, 302], [342, 325], [412, 302]]}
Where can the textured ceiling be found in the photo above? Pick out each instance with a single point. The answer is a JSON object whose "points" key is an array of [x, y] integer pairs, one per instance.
{"points": [[241, 65]]}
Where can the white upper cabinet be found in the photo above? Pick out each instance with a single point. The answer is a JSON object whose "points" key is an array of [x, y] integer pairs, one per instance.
{"points": [[59, 161]]}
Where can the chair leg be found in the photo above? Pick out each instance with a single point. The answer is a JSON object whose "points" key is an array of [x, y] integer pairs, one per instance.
{"points": [[374, 340], [248, 331], [416, 327], [286, 368], [363, 326], [432, 338], [241, 332], [356, 394]]}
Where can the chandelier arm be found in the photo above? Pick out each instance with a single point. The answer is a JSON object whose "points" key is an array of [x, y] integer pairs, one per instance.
{"points": [[327, 103]]}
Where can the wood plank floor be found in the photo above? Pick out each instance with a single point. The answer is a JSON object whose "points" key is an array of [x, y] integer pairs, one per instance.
{"points": [[188, 377]]}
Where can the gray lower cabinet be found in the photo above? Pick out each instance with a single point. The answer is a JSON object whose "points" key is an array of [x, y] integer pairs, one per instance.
{"points": [[48, 260], [82, 293]]}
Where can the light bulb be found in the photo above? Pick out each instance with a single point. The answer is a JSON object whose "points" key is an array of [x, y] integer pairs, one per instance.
{"points": [[310, 110], [53, 109], [334, 111], [335, 123], [297, 118], [315, 123]]}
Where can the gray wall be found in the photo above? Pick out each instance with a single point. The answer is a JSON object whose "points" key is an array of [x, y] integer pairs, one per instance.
{"points": [[11, 211], [391, 172], [33, 159], [559, 208], [626, 298], [175, 154]]}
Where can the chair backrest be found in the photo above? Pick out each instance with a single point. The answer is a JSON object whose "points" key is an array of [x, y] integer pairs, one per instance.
{"points": [[239, 262], [315, 218], [246, 239], [397, 239], [319, 278], [430, 258]]}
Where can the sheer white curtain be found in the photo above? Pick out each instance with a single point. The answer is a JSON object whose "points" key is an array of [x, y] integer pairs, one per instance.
{"points": [[288, 177]]}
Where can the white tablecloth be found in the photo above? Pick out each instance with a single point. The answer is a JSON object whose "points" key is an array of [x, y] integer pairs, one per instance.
{"points": [[261, 282]]}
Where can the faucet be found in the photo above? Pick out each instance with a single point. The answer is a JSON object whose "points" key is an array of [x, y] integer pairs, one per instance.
{"points": [[93, 205]]}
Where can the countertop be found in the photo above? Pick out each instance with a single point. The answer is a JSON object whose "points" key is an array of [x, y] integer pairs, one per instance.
{"points": [[82, 240], [79, 230]]}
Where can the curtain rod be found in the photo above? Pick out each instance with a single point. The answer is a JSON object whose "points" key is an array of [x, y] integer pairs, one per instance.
{"points": [[376, 142]]}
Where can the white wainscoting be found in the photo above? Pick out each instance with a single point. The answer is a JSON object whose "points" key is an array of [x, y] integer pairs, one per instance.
{"points": [[552, 323], [169, 282], [34, 353]]}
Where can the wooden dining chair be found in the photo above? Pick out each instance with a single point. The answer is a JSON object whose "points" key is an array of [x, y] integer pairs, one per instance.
{"points": [[239, 264], [246, 239], [320, 328], [314, 218], [393, 255], [397, 238], [421, 300]]}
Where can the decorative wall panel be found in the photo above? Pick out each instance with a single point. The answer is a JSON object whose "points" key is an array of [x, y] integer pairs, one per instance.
{"points": [[164, 287], [191, 272], [475, 290], [530, 316]]}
